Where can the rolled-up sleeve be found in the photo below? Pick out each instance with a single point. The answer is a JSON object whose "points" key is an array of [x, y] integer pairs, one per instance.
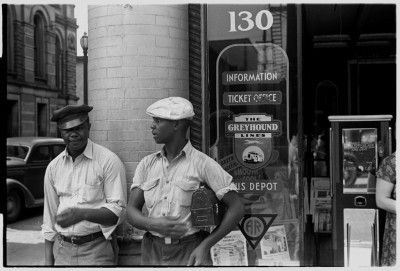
{"points": [[217, 178], [115, 192], [138, 178], [50, 206]]}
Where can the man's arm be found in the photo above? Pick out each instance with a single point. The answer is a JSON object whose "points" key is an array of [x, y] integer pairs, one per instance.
{"points": [[168, 226], [233, 214], [51, 203], [72, 216], [48, 253], [383, 195]]}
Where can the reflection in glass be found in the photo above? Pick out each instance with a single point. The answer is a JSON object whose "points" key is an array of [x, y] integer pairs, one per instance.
{"points": [[359, 159], [361, 237]]}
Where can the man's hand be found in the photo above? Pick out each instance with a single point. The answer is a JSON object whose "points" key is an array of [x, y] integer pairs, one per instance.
{"points": [[199, 255], [69, 217], [169, 226]]}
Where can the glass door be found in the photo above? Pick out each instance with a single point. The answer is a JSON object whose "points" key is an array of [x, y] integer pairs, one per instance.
{"points": [[252, 131]]}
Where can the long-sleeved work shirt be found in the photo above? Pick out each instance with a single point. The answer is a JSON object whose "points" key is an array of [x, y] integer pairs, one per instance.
{"points": [[95, 179], [168, 187]]}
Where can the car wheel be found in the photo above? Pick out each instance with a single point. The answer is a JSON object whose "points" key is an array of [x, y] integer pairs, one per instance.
{"points": [[14, 206]]}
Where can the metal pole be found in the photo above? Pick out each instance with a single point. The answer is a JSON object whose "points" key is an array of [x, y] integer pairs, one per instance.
{"points": [[85, 77]]}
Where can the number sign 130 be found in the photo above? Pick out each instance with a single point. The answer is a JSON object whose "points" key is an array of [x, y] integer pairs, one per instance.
{"points": [[248, 22]]}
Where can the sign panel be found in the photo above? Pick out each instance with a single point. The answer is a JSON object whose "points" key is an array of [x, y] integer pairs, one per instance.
{"points": [[249, 77], [252, 98], [253, 139], [254, 227], [252, 117], [253, 128]]}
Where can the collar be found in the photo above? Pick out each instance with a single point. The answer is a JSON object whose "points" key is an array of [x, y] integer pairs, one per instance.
{"points": [[88, 152], [187, 149]]}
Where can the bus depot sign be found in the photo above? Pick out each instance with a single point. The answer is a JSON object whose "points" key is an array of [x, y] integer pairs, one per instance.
{"points": [[252, 141]]}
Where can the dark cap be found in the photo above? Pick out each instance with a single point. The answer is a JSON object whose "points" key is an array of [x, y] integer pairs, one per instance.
{"points": [[71, 115]]}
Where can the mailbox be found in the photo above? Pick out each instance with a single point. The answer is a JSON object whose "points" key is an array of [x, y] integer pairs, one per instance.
{"points": [[206, 209]]}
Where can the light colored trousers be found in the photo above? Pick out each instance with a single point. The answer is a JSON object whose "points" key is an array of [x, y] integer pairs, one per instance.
{"points": [[95, 252]]}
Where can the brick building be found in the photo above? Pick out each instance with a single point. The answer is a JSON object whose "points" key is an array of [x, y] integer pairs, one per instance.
{"points": [[136, 56], [41, 63]]}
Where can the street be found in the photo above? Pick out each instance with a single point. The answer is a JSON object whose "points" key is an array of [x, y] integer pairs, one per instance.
{"points": [[25, 245]]}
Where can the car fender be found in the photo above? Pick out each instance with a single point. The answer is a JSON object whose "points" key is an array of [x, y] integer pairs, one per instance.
{"points": [[29, 200]]}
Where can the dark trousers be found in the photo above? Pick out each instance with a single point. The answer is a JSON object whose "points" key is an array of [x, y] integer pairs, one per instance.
{"points": [[156, 252]]}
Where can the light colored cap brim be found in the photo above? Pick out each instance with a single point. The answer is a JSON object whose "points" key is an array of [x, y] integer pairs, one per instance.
{"points": [[73, 122], [163, 116]]}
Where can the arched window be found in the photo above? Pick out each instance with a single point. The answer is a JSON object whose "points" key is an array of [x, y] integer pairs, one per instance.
{"points": [[10, 42], [59, 64], [39, 46]]}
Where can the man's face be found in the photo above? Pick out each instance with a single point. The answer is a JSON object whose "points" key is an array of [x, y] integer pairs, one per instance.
{"points": [[162, 130], [76, 138]]}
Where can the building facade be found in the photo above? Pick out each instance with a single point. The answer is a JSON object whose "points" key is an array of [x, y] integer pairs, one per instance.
{"points": [[41, 63], [263, 80]]}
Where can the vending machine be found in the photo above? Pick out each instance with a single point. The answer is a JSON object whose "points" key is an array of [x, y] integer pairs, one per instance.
{"points": [[358, 145]]}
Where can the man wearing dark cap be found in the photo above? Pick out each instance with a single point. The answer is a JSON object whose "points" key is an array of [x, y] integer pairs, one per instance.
{"points": [[165, 182], [84, 195]]}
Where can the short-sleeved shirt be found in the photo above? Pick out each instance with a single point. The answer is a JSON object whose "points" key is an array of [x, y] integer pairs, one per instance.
{"points": [[95, 179], [387, 170], [168, 186]]}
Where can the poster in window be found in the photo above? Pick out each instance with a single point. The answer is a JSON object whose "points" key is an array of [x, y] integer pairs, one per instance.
{"points": [[230, 250], [274, 247]]}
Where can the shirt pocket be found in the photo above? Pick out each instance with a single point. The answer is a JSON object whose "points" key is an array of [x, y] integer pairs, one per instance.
{"points": [[150, 192], [92, 191], [184, 191]]}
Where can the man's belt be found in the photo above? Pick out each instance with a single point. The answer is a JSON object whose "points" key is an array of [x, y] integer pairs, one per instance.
{"points": [[175, 241], [79, 240]]}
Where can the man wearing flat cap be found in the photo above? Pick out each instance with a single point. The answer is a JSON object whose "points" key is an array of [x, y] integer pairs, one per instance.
{"points": [[165, 182], [84, 195]]}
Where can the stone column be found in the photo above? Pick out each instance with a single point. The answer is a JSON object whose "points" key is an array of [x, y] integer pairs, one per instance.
{"points": [[137, 55]]}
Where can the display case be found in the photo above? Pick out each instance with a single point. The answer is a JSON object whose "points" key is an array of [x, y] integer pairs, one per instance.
{"points": [[358, 144]]}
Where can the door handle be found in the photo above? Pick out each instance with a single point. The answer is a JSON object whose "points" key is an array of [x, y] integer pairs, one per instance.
{"points": [[373, 249], [348, 236]]}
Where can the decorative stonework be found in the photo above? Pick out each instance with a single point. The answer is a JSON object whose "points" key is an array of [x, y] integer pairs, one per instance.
{"points": [[71, 41]]}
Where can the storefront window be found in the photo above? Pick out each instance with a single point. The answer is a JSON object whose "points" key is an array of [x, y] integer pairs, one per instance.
{"points": [[251, 133]]}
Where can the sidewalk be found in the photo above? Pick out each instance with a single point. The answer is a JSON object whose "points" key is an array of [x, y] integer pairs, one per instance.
{"points": [[25, 245]]}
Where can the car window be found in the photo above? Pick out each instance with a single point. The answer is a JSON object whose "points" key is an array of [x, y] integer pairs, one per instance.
{"points": [[17, 151], [40, 154], [57, 149]]}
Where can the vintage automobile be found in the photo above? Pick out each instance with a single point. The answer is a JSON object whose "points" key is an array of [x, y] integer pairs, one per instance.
{"points": [[27, 159]]}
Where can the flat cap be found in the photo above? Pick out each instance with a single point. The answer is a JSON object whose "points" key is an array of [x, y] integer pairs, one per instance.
{"points": [[71, 115], [172, 108]]}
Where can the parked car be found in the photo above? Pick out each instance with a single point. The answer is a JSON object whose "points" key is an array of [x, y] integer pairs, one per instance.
{"points": [[27, 159]]}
